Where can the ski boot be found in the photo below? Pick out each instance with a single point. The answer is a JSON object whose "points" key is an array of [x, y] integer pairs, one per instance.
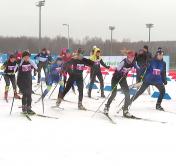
{"points": [[58, 102], [24, 109], [158, 107], [16, 96], [6, 95], [29, 111], [106, 109], [126, 113], [81, 107]]}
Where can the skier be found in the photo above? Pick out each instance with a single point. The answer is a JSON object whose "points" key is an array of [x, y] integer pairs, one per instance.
{"points": [[76, 75], [44, 59], [24, 81], [96, 71], [142, 59], [119, 76], [66, 55], [155, 75], [54, 76], [10, 67]]}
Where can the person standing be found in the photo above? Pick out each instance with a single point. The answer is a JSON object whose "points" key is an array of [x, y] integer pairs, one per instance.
{"points": [[24, 82], [10, 67], [96, 71], [77, 63], [44, 59], [120, 76], [156, 76]]}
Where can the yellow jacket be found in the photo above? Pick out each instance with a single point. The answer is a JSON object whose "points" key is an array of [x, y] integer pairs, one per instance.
{"points": [[94, 57]]}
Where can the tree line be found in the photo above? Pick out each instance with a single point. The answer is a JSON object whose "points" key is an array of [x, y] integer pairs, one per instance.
{"points": [[10, 44]]}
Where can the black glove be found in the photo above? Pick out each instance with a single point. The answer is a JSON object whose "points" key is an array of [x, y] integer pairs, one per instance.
{"points": [[165, 82]]}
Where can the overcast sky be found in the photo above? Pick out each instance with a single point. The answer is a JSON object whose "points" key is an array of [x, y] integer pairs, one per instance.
{"points": [[90, 18]]}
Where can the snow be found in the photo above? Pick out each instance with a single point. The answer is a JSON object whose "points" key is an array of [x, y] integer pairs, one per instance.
{"points": [[79, 139]]}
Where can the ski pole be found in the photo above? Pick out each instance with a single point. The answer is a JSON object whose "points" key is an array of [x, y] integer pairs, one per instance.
{"points": [[107, 97], [53, 90], [43, 107], [12, 104]]}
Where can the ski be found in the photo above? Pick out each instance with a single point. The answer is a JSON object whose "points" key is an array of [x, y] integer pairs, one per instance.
{"points": [[142, 119], [93, 98], [109, 118], [45, 116], [57, 107], [27, 116]]}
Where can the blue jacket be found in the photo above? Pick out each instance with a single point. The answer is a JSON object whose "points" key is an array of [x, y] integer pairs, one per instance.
{"points": [[156, 72], [43, 57], [54, 75]]}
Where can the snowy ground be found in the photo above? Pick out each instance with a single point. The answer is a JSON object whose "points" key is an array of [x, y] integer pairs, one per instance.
{"points": [[80, 140]]}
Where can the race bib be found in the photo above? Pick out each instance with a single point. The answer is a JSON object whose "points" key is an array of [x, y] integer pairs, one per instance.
{"points": [[11, 68], [80, 66], [26, 68], [156, 71]]}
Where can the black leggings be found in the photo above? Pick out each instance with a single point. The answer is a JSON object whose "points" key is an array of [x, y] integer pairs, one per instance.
{"points": [[12, 79], [144, 86], [26, 99], [93, 75], [79, 82], [124, 86]]}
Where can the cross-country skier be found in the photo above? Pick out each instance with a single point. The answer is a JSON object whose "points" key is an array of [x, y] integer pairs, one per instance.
{"points": [[44, 59], [24, 81], [10, 67], [76, 75], [96, 71], [142, 59], [119, 76], [54, 76], [156, 76]]}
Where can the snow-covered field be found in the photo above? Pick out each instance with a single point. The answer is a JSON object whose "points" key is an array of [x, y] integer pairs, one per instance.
{"points": [[77, 139]]}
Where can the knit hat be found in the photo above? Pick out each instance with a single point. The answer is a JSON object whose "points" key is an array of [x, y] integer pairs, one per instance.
{"points": [[12, 56], [131, 54], [25, 53]]}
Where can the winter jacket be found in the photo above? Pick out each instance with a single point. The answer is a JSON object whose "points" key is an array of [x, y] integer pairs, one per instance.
{"points": [[156, 72]]}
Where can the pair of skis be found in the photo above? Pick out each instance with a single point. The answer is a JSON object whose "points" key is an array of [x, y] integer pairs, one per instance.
{"points": [[133, 118], [39, 115]]}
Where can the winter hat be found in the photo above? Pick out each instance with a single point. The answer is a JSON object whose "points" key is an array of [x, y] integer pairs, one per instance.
{"points": [[80, 51], [63, 51], [25, 53], [159, 53], [12, 56], [146, 47], [131, 54]]}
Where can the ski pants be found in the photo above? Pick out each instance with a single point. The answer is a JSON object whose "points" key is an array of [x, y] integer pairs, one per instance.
{"points": [[144, 86], [26, 99], [12, 79], [100, 78], [79, 82], [124, 86]]}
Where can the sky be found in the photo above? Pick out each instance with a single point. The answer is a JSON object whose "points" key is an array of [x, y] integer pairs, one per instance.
{"points": [[90, 18]]}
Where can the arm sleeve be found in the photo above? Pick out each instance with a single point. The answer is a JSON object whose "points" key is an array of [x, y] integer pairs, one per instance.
{"points": [[33, 64], [103, 64], [88, 62], [120, 65]]}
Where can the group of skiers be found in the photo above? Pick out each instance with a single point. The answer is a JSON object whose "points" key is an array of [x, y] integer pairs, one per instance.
{"points": [[151, 70]]}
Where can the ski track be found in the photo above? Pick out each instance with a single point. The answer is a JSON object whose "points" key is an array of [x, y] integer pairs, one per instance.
{"points": [[77, 139]]}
